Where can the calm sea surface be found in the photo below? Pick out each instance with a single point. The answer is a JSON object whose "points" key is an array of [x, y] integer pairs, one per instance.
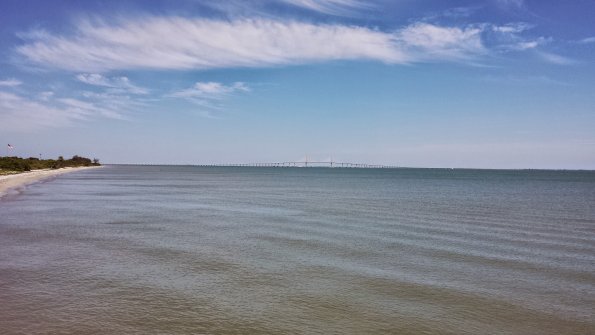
{"points": [[191, 250]]}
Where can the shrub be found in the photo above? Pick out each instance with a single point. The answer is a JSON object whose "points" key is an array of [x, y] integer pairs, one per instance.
{"points": [[20, 164]]}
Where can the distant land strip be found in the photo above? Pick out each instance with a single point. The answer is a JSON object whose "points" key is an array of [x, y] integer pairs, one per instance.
{"points": [[280, 165]]}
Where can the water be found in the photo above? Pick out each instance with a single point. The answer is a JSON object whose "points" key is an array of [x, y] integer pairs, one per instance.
{"points": [[190, 250]]}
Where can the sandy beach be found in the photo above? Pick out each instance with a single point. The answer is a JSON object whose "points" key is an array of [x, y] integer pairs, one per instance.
{"points": [[17, 180]]}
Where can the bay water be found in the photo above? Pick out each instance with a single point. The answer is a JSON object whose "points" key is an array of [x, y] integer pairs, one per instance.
{"points": [[240, 250]]}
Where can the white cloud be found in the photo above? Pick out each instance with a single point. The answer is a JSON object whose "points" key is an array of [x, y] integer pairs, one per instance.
{"points": [[182, 43], [10, 82], [262, 8], [210, 96], [121, 83], [507, 37], [453, 13], [526, 44], [120, 96], [93, 79], [89, 108], [514, 4], [587, 40], [333, 7], [525, 80], [556, 59], [512, 28], [21, 114], [211, 90], [109, 102], [45, 96], [427, 41]]}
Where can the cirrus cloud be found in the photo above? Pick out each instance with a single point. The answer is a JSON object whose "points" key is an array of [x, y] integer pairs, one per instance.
{"points": [[119, 83], [587, 40], [10, 82], [333, 7], [424, 41], [182, 43], [18, 113], [210, 96], [211, 90]]}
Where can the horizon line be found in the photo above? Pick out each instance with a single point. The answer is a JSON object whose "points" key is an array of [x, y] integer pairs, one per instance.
{"points": [[371, 166]]}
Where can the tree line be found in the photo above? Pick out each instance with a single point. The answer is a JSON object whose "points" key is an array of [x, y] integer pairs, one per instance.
{"points": [[32, 163]]}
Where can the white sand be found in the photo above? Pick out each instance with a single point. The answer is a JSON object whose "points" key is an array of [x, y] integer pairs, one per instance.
{"points": [[17, 180]]}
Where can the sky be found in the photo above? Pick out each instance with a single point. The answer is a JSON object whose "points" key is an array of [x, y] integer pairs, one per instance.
{"points": [[426, 83]]}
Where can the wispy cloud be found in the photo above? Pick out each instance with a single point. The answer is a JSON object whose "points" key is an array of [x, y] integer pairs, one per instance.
{"points": [[121, 83], [525, 80], [556, 59], [116, 101], [513, 4], [118, 98], [424, 41], [182, 43], [10, 82], [89, 108], [512, 28], [587, 40], [452, 13], [46, 95], [211, 90], [527, 44], [19, 114], [508, 37], [333, 7], [210, 95]]}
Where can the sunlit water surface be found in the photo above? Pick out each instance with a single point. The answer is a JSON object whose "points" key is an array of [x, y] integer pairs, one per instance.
{"points": [[191, 250]]}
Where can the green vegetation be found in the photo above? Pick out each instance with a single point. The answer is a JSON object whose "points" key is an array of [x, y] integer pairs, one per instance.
{"points": [[10, 165]]}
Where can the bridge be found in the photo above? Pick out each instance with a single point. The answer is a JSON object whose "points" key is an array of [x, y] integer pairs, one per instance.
{"points": [[306, 164]]}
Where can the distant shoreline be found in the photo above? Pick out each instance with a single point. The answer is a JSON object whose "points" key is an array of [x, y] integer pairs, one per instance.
{"points": [[235, 165], [12, 181]]}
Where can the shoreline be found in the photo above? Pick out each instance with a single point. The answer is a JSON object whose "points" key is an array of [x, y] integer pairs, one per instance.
{"points": [[12, 181]]}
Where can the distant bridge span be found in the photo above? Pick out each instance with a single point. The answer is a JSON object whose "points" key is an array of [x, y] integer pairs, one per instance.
{"points": [[308, 164]]}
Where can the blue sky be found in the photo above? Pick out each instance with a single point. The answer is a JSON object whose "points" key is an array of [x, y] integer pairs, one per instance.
{"points": [[490, 84]]}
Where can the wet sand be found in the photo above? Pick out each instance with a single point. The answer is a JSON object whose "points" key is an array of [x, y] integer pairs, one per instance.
{"points": [[21, 179]]}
